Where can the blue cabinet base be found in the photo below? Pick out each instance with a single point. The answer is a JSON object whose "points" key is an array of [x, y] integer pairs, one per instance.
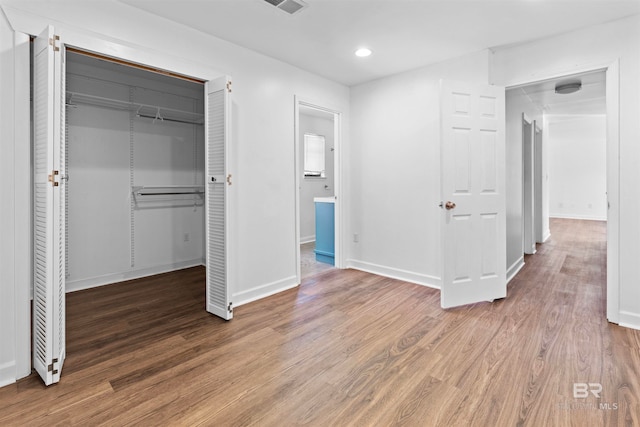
{"points": [[325, 232], [327, 258]]}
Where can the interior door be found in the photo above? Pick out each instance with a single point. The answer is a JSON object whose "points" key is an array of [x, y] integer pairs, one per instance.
{"points": [[49, 210], [217, 197], [473, 227]]}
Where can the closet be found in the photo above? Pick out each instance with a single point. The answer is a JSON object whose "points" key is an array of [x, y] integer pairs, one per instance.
{"points": [[130, 178], [135, 166]]}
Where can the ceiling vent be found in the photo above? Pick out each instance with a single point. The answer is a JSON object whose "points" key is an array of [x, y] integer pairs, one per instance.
{"points": [[289, 6]]}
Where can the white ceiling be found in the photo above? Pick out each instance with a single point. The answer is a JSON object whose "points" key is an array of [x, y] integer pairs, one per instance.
{"points": [[403, 34], [590, 99]]}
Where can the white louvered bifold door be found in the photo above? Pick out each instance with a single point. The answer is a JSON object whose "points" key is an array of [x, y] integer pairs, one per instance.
{"points": [[49, 209], [217, 127]]}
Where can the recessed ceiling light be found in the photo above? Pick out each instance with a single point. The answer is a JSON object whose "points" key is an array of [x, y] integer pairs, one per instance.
{"points": [[363, 51]]}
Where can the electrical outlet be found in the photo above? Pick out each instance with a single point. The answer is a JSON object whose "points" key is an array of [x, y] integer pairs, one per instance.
{"points": [[186, 237], [356, 238]]}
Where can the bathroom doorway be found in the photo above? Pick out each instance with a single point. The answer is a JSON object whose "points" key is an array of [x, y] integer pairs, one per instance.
{"points": [[317, 138]]}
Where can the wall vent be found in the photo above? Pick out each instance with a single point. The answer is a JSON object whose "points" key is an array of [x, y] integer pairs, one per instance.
{"points": [[289, 6]]}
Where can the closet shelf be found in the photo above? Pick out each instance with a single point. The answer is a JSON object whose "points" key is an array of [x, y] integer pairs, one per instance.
{"points": [[168, 190], [154, 112]]}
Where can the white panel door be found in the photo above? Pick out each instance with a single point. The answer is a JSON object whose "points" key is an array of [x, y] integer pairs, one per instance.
{"points": [[473, 226], [217, 138], [49, 208]]}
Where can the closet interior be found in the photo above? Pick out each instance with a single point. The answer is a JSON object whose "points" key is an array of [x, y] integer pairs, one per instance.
{"points": [[135, 166]]}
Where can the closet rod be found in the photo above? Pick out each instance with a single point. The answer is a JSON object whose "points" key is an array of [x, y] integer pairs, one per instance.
{"points": [[140, 193], [164, 119], [168, 190]]}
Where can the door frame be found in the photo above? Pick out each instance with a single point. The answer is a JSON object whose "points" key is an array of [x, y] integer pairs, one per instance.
{"points": [[337, 179], [538, 184], [528, 186], [91, 42], [612, 71]]}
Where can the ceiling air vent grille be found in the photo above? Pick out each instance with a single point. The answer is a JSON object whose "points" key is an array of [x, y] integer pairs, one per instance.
{"points": [[289, 6]]}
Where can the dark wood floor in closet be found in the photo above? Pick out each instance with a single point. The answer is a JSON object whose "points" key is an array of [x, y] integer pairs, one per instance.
{"points": [[347, 348]]}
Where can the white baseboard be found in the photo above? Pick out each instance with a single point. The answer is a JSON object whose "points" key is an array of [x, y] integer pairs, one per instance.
{"points": [[395, 273], [92, 282], [263, 291], [307, 239], [629, 320], [7, 373], [583, 217], [515, 268], [546, 236]]}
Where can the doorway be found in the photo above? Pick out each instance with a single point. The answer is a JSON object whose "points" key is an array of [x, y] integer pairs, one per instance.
{"points": [[317, 181], [596, 98]]}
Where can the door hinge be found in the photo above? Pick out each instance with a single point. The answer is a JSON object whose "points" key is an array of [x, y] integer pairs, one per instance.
{"points": [[229, 86], [52, 178], [53, 368], [230, 307], [229, 179], [52, 42]]}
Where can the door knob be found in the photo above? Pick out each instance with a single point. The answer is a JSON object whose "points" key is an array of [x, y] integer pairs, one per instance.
{"points": [[449, 205]]}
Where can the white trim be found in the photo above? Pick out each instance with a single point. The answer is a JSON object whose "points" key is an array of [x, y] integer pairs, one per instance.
{"points": [[584, 68], [613, 190], [528, 183], [580, 217], [108, 279], [546, 235], [263, 291], [395, 273], [7, 373], [297, 182], [628, 320], [307, 239], [515, 268]]}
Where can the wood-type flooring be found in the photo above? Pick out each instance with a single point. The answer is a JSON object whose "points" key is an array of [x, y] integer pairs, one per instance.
{"points": [[348, 348]]}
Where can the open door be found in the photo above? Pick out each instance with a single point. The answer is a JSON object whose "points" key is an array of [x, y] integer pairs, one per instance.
{"points": [[49, 210], [473, 226], [217, 138]]}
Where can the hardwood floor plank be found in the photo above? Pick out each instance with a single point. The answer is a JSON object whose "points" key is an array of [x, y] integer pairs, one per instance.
{"points": [[348, 348]]}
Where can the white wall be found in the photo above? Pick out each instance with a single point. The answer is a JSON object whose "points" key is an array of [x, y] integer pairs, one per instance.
{"points": [[517, 103], [264, 246], [395, 170], [7, 195], [314, 187], [577, 167], [593, 48], [15, 197], [167, 231]]}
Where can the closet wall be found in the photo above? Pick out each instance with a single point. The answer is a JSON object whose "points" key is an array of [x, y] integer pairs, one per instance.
{"points": [[114, 235]]}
